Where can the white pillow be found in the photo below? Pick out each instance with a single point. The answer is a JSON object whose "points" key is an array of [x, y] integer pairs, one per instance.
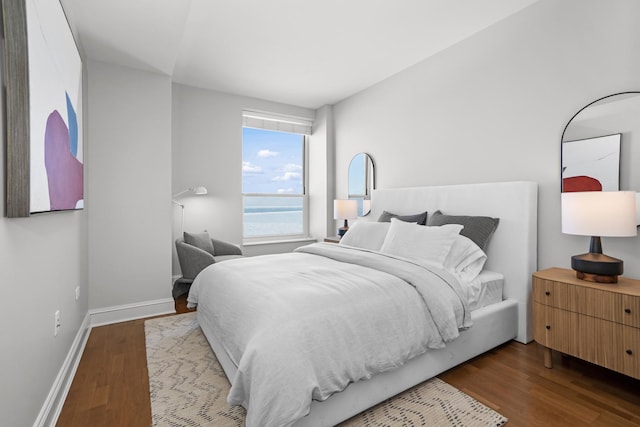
{"points": [[465, 260], [366, 235], [420, 242]]}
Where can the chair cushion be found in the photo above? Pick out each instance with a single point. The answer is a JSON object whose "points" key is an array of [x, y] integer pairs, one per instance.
{"points": [[200, 240]]}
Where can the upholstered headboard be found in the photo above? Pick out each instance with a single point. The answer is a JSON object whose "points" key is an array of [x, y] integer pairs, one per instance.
{"points": [[512, 249]]}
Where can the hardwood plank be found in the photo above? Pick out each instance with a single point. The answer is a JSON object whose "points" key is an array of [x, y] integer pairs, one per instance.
{"points": [[111, 386]]}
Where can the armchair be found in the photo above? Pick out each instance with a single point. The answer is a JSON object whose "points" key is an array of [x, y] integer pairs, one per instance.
{"points": [[197, 251]]}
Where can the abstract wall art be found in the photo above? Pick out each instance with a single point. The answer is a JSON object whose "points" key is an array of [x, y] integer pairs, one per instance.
{"points": [[591, 164], [45, 170]]}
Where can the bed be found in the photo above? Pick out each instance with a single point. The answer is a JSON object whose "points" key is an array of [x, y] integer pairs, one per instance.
{"points": [[511, 253]]}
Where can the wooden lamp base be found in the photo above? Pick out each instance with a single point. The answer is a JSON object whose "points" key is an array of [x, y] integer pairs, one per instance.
{"points": [[599, 278]]}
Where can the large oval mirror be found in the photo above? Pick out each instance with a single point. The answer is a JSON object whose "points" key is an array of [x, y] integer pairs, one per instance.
{"points": [[599, 144], [361, 181]]}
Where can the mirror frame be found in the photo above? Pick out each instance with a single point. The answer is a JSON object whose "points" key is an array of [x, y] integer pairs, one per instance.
{"points": [[368, 180], [564, 131]]}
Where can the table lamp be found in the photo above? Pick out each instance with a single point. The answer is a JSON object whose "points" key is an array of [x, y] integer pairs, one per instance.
{"points": [[345, 209], [598, 214]]}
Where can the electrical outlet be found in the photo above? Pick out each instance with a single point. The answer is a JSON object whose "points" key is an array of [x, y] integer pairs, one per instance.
{"points": [[56, 317], [77, 293]]}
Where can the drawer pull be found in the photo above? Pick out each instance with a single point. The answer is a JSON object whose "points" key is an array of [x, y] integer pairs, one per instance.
{"points": [[547, 293], [627, 310], [629, 352], [548, 327]]}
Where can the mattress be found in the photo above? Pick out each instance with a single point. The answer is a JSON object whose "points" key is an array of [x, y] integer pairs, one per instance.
{"points": [[485, 289]]}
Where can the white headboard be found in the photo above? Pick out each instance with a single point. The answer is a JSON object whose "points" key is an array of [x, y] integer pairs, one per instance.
{"points": [[512, 249]]}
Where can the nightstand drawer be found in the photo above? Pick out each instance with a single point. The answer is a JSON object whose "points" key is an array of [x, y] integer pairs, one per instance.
{"points": [[551, 293], [555, 328], [595, 302], [606, 305], [631, 352], [602, 342], [610, 345], [630, 310]]}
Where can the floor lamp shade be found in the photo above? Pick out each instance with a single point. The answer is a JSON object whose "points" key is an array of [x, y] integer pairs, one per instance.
{"points": [[598, 214]]}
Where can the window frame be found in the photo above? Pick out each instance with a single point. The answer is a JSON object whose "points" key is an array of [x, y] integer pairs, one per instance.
{"points": [[277, 238]]}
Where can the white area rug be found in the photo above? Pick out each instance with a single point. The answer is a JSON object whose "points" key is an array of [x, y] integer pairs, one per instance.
{"points": [[189, 388]]}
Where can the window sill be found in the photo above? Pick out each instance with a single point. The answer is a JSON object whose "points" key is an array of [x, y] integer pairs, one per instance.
{"points": [[277, 241]]}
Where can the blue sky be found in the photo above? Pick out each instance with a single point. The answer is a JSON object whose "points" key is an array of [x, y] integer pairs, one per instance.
{"points": [[356, 175], [271, 162]]}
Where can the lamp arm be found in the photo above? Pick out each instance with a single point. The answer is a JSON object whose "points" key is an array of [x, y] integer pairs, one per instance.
{"points": [[180, 193], [179, 204]]}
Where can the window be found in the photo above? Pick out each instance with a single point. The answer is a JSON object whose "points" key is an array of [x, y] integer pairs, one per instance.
{"points": [[273, 177]]}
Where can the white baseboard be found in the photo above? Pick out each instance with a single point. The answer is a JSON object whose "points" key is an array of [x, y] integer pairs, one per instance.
{"points": [[52, 407], [139, 310]]}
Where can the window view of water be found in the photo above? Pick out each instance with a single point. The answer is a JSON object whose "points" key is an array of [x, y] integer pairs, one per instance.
{"points": [[273, 183], [272, 215]]}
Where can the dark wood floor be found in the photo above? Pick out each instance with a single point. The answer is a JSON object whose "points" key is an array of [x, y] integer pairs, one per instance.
{"points": [[111, 386]]}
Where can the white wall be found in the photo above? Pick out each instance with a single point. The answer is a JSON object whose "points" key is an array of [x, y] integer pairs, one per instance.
{"points": [[493, 108], [322, 175], [129, 185], [43, 259], [207, 150]]}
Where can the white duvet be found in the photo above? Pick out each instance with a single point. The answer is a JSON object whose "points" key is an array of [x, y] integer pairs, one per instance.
{"points": [[303, 325]]}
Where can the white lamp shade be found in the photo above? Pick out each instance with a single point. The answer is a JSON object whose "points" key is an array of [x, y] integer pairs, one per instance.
{"points": [[599, 213], [345, 209], [199, 190]]}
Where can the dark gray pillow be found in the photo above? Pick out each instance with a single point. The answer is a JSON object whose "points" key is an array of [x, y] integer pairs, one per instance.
{"points": [[420, 218], [477, 228], [199, 240]]}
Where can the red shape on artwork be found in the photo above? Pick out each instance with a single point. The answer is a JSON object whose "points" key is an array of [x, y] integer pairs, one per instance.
{"points": [[580, 183], [64, 171]]}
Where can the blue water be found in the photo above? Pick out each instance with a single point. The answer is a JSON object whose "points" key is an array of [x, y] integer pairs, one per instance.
{"points": [[272, 216]]}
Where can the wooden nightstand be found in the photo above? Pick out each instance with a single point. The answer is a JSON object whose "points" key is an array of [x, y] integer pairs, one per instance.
{"points": [[596, 322], [332, 239]]}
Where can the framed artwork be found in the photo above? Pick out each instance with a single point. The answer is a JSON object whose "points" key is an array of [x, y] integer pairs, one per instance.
{"points": [[45, 170], [591, 164]]}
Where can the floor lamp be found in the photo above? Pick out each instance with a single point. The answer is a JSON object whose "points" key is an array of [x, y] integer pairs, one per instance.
{"points": [[200, 190]]}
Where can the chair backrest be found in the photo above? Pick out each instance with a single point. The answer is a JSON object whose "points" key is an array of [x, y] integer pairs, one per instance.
{"points": [[192, 259]]}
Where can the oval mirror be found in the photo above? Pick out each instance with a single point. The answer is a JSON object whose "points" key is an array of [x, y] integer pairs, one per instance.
{"points": [[361, 181], [599, 144]]}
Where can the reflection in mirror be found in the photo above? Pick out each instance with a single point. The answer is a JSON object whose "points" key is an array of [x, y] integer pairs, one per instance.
{"points": [[361, 181], [601, 142], [591, 164]]}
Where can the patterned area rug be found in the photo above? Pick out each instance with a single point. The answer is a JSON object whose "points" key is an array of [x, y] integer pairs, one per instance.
{"points": [[189, 388]]}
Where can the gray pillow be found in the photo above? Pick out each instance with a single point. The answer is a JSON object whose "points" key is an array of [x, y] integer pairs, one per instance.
{"points": [[420, 218], [199, 240], [477, 228]]}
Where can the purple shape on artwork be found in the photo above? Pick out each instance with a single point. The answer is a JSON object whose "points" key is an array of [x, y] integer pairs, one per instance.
{"points": [[64, 171]]}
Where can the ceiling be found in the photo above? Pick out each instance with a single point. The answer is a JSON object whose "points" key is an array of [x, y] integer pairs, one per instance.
{"points": [[307, 53]]}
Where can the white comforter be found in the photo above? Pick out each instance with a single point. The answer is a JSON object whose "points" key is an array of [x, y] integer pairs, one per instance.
{"points": [[303, 325]]}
